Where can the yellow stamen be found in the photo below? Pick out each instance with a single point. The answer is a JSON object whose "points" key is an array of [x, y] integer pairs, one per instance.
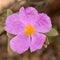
{"points": [[29, 30]]}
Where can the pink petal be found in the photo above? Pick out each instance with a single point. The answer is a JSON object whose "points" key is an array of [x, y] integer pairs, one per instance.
{"points": [[28, 15], [13, 25], [43, 24], [31, 10], [20, 43], [37, 42]]}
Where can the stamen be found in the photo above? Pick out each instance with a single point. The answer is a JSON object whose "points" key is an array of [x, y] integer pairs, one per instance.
{"points": [[29, 30]]}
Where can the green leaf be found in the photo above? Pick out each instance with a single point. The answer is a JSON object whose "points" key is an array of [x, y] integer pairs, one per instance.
{"points": [[52, 40], [53, 32], [9, 12], [2, 21]]}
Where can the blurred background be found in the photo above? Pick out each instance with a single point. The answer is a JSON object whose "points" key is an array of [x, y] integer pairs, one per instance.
{"points": [[50, 7]]}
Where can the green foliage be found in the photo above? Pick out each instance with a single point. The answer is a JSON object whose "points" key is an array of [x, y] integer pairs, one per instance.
{"points": [[52, 35], [52, 40], [53, 32], [9, 12], [2, 21]]}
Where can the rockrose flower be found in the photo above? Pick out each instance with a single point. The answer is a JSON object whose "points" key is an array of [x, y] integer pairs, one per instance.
{"points": [[29, 27]]}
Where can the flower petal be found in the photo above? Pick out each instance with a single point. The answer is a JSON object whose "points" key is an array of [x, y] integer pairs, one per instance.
{"points": [[43, 24], [37, 42], [20, 43], [28, 15], [13, 25], [31, 10]]}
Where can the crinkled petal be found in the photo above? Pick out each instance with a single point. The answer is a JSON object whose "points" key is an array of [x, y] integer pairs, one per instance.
{"points": [[37, 42], [20, 43], [28, 15], [31, 10], [13, 25], [43, 24]]}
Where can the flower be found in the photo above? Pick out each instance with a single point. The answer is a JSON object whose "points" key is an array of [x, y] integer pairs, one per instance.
{"points": [[29, 27]]}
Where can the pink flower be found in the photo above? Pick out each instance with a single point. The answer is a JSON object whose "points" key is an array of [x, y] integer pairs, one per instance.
{"points": [[29, 27]]}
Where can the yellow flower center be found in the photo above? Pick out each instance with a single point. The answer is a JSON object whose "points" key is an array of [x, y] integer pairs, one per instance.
{"points": [[29, 30]]}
